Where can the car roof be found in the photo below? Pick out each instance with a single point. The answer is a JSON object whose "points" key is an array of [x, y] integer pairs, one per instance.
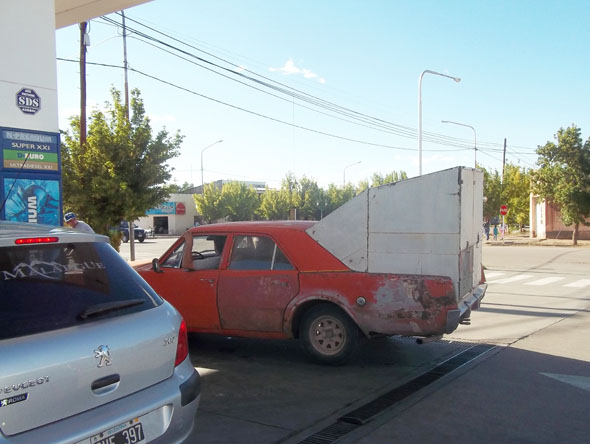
{"points": [[11, 230], [306, 253], [253, 226]]}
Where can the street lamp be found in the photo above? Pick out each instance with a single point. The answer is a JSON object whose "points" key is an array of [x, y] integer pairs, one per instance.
{"points": [[474, 141], [456, 79], [202, 151], [344, 174]]}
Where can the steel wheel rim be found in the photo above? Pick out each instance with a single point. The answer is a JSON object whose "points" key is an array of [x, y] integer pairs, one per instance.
{"points": [[327, 335]]}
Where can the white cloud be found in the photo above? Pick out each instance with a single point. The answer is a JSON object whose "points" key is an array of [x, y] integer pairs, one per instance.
{"points": [[290, 68]]}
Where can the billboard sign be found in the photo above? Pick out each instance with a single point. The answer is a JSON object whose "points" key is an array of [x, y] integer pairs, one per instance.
{"points": [[32, 200], [29, 150], [163, 208]]}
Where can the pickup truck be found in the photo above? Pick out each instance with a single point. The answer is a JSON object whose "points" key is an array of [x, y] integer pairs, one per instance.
{"points": [[138, 232], [400, 259]]}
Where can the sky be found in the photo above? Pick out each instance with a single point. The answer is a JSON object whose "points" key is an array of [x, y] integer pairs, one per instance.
{"points": [[329, 90]]}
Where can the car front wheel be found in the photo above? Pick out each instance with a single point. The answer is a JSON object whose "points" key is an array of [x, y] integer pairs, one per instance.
{"points": [[328, 335]]}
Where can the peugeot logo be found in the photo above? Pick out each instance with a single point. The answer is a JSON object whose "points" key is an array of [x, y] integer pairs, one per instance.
{"points": [[103, 353]]}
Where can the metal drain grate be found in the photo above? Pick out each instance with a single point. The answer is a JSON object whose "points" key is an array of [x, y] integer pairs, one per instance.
{"points": [[366, 413], [330, 433]]}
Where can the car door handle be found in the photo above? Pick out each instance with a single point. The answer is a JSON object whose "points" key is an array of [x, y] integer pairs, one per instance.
{"points": [[211, 281]]}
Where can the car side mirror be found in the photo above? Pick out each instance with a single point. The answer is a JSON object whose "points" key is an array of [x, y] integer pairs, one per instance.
{"points": [[156, 265]]}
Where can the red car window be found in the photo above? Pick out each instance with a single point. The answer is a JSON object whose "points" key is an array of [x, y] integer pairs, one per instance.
{"points": [[257, 253]]}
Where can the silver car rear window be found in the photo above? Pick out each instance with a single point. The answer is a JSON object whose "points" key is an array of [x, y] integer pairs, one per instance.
{"points": [[51, 286]]}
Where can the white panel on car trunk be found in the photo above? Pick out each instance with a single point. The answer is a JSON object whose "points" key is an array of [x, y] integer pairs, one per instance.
{"points": [[344, 232], [418, 226]]}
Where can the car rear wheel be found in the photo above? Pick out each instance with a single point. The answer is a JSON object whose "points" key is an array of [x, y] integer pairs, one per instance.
{"points": [[141, 239], [328, 335]]}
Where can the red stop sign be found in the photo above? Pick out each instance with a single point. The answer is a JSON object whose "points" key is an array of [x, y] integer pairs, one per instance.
{"points": [[503, 210]]}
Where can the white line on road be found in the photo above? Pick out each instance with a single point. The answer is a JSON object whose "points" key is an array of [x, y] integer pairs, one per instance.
{"points": [[493, 274], [518, 277], [579, 284], [545, 281]]}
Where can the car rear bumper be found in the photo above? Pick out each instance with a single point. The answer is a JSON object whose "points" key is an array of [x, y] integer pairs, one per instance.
{"points": [[169, 409], [470, 302]]}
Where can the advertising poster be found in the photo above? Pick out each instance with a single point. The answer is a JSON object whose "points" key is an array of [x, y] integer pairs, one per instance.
{"points": [[28, 150], [32, 200], [163, 208]]}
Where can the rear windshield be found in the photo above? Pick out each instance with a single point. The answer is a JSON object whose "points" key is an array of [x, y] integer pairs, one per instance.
{"points": [[53, 286]]}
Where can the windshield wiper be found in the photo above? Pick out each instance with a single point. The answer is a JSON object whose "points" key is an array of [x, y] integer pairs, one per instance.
{"points": [[99, 309]]}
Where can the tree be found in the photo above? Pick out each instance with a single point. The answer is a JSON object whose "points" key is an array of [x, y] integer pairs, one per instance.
{"points": [[564, 177], [119, 173], [337, 196], [275, 205], [310, 196], [378, 179], [516, 191], [210, 204], [174, 188], [239, 201], [492, 190]]}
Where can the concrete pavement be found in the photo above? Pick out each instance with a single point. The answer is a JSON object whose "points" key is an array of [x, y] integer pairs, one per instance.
{"points": [[535, 391]]}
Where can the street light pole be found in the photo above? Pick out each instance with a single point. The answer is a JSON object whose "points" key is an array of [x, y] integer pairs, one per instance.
{"points": [[474, 141], [344, 174], [202, 151], [456, 79]]}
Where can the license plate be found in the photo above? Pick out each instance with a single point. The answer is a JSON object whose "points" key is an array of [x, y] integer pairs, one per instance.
{"points": [[121, 434]]}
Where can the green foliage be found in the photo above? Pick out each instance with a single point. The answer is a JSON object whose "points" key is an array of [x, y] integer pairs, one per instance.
{"points": [[239, 201], [514, 193], [338, 196], [209, 204], [378, 179], [174, 188], [492, 190], [564, 176], [275, 205], [119, 173]]}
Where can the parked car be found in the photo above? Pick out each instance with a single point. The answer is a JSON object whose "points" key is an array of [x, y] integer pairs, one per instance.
{"points": [[89, 352], [139, 233], [273, 280]]}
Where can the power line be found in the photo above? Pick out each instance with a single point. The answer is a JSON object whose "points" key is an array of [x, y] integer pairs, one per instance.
{"points": [[396, 129]]}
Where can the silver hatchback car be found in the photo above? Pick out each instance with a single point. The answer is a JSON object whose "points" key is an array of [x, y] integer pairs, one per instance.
{"points": [[89, 353]]}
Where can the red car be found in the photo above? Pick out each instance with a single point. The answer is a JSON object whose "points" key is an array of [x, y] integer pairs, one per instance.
{"points": [[273, 280]]}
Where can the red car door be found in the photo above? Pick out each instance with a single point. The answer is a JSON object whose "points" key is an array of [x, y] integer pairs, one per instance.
{"points": [[256, 286], [189, 280]]}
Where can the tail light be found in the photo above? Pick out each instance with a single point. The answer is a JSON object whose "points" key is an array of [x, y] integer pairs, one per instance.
{"points": [[182, 345]]}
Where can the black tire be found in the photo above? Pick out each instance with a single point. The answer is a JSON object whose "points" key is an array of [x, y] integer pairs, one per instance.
{"points": [[141, 240], [125, 238], [328, 335]]}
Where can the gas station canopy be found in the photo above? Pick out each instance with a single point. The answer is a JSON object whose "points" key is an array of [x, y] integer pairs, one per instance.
{"points": [[69, 12]]}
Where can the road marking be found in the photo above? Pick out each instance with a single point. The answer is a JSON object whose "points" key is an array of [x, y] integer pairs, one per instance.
{"points": [[518, 277], [493, 274], [582, 382], [545, 281], [579, 284]]}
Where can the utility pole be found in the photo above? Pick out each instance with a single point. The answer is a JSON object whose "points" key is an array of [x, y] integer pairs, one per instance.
{"points": [[504, 160], [129, 223], [83, 41]]}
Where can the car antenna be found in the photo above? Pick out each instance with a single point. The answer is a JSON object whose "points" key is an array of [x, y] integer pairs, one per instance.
{"points": [[14, 182]]}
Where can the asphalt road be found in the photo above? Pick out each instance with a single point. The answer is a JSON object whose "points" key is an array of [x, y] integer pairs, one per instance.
{"points": [[529, 383]]}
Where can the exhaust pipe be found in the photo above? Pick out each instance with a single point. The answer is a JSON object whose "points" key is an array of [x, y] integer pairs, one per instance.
{"points": [[428, 339]]}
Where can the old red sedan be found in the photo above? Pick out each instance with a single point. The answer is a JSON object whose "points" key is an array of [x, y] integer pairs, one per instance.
{"points": [[273, 280]]}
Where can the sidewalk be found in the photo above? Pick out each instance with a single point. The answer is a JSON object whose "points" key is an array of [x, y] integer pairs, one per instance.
{"points": [[535, 391], [516, 238]]}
